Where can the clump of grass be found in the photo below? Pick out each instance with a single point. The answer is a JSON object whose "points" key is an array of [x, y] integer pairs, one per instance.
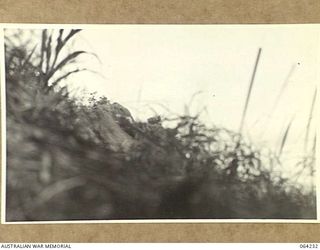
{"points": [[62, 163]]}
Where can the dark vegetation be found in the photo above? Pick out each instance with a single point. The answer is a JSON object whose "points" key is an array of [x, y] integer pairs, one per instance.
{"points": [[67, 160]]}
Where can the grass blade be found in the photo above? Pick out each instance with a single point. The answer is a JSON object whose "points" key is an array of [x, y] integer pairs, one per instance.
{"points": [[284, 138], [48, 53], [65, 61], [28, 58], [43, 47], [306, 139], [249, 92], [59, 46], [283, 87], [67, 75]]}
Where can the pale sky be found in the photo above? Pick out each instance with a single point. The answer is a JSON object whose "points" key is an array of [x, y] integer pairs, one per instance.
{"points": [[148, 65]]}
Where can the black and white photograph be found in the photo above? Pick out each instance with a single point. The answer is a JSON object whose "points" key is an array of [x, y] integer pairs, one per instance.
{"points": [[166, 123]]}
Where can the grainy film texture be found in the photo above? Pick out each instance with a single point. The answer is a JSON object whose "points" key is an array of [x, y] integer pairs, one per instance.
{"points": [[160, 122]]}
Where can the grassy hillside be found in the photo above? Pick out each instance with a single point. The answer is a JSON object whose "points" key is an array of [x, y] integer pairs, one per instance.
{"points": [[70, 160]]}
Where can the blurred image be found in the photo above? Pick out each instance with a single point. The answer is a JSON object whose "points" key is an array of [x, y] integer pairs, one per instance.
{"points": [[127, 122]]}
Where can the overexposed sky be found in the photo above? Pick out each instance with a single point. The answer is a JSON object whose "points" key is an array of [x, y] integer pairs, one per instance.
{"points": [[147, 66]]}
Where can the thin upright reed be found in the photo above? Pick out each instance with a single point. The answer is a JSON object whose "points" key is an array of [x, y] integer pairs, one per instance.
{"points": [[284, 138], [249, 92], [283, 87], [306, 138]]}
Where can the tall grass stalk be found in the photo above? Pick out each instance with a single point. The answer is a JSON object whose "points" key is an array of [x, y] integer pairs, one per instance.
{"points": [[249, 92], [306, 138], [283, 87], [277, 100]]}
